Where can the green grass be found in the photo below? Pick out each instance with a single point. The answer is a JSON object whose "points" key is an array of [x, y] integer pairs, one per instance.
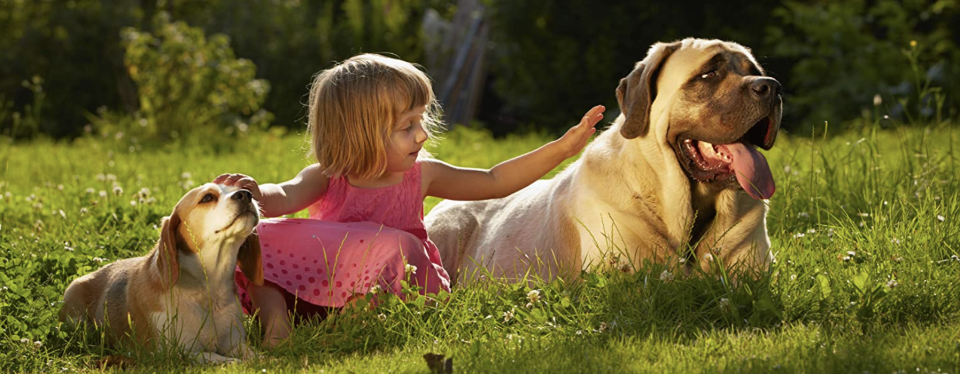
{"points": [[867, 277]]}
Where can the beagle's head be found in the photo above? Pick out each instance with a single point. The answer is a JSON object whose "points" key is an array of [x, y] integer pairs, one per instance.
{"points": [[207, 222]]}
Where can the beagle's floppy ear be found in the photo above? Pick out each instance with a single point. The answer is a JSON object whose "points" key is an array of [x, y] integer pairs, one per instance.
{"points": [[168, 265], [636, 92], [248, 259]]}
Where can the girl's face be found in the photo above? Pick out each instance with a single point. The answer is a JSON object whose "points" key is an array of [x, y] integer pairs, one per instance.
{"points": [[406, 140]]}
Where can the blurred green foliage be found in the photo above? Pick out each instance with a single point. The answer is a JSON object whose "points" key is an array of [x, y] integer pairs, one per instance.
{"points": [[846, 53], [548, 61], [555, 59], [188, 82]]}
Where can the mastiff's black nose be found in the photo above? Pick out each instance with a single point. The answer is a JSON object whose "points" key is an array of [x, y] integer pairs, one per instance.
{"points": [[765, 87]]}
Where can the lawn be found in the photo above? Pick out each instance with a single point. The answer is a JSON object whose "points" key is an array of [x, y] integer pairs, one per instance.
{"points": [[863, 225]]}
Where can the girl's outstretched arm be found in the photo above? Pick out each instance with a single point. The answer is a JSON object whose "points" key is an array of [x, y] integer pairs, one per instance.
{"points": [[284, 198], [450, 182]]}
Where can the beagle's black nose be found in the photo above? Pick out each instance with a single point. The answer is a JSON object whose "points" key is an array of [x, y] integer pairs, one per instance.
{"points": [[243, 195]]}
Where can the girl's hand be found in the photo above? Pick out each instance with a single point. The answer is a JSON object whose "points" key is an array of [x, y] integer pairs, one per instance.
{"points": [[242, 181], [576, 138]]}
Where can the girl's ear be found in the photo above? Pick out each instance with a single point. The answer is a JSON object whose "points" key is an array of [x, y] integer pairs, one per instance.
{"points": [[167, 264], [248, 259]]}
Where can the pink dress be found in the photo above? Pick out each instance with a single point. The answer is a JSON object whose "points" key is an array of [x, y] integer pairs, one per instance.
{"points": [[356, 238]]}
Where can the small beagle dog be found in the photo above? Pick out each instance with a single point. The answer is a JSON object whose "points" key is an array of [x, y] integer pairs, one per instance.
{"points": [[183, 291]]}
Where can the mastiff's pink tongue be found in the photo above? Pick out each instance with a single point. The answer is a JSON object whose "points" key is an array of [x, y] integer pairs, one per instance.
{"points": [[751, 170]]}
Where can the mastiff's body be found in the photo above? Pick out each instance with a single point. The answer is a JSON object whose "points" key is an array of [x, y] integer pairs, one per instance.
{"points": [[677, 176]]}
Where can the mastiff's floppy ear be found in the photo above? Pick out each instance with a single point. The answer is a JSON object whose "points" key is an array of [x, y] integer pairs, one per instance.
{"points": [[636, 92], [167, 264], [248, 259]]}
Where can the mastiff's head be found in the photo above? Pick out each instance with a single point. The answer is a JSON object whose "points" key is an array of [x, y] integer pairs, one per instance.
{"points": [[712, 104]]}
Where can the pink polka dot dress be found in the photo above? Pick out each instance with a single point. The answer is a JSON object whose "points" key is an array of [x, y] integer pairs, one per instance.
{"points": [[355, 239]]}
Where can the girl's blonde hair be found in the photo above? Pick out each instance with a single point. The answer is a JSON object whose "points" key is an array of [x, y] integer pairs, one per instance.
{"points": [[354, 107]]}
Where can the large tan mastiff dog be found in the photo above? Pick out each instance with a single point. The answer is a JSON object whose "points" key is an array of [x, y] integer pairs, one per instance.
{"points": [[676, 177]]}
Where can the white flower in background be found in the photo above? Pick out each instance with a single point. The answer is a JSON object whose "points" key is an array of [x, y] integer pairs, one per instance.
{"points": [[666, 276], [803, 215], [382, 317], [111, 177], [186, 175], [375, 289], [83, 211], [133, 203], [508, 315], [533, 296], [877, 100], [410, 269], [603, 326], [941, 218], [91, 191], [117, 190], [144, 193], [37, 344], [101, 177], [724, 303], [103, 193], [25, 340], [892, 283]]}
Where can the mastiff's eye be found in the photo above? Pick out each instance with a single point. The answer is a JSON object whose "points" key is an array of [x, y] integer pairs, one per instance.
{"points": [[208, 198], [709, 74]]}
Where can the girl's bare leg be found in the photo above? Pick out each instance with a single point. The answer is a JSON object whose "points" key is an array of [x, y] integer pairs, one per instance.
{"points": [[274, 316]]}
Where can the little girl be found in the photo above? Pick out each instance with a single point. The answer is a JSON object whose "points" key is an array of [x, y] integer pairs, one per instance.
{"points": [[369, 118]]}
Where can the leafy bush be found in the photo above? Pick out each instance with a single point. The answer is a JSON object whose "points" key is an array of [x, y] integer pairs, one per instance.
{"points": [[848, 52], [188, 82]]}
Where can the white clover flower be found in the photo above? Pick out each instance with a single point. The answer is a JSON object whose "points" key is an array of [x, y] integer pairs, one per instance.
{"points": [[533, 296], [101, 177], [117, 190], [863, 214], [666, 276], [508, 315], [144, 193], [799, 235], [91, 191], [382, 317], [111, 177], [83, 211], [724, 303], [793, 277], [410, 269], [37, 344], [186, 175], [892, 283], [133, 203], [941, 218], [375, 289], [603, 326], [24, 340], [803, 215], [579, 332], [103, 193]]}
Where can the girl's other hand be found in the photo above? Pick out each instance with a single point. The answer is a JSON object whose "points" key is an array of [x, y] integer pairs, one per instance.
{"points": [[242, 181], [576, 138]]}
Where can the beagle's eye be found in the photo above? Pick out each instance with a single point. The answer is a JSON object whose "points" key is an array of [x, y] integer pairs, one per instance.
{"points": [[208, 198], [709, 74]]}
